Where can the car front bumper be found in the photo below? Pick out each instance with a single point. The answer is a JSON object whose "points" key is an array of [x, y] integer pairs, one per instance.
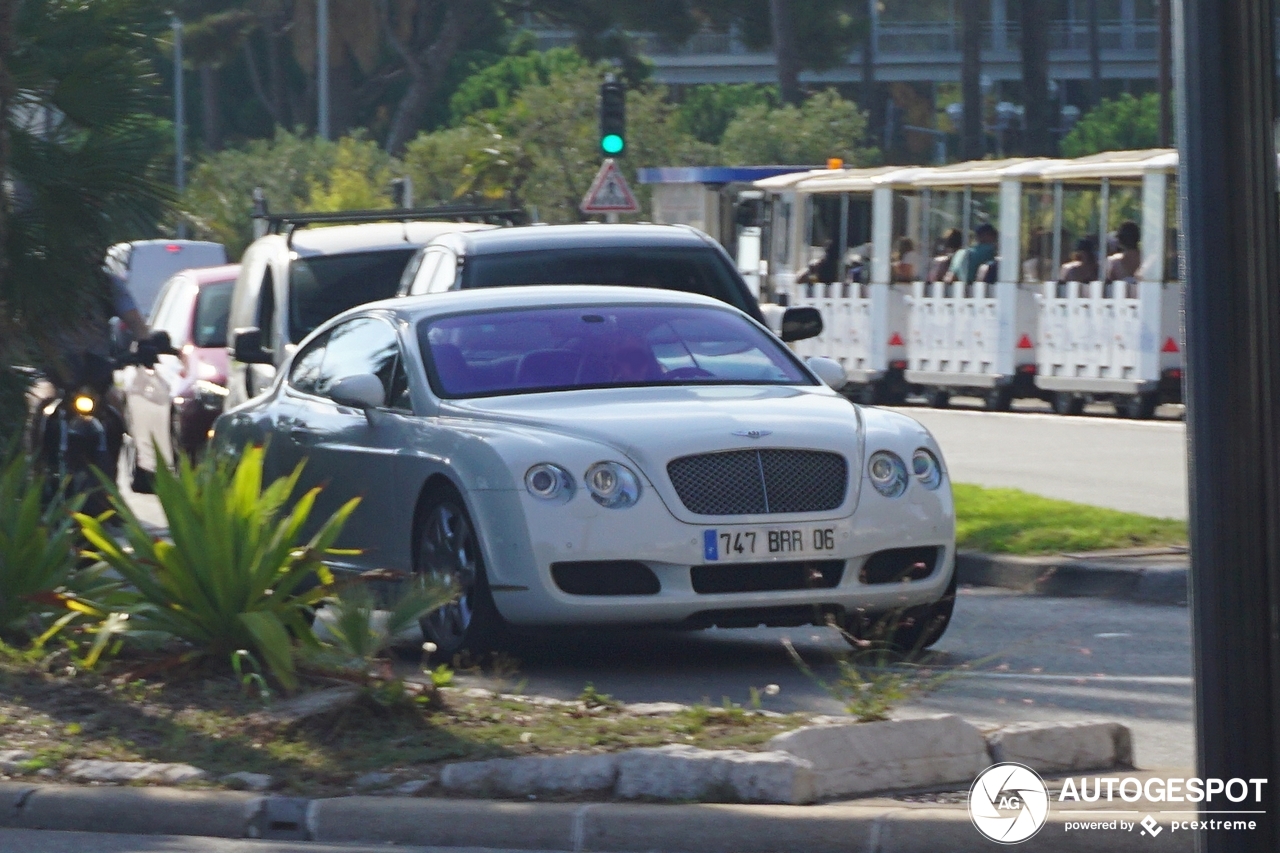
{"points": [[528, 591]]}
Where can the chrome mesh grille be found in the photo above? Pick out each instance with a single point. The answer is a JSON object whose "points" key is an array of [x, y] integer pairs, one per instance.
{"points": [[760, 482]]}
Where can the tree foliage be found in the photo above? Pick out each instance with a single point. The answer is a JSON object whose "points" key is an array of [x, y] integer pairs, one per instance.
{"points": [[825, 125], [1119, 124]]}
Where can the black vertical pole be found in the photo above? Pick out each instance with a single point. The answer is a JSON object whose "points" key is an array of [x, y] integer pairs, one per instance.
{"points": [[1226, 77]]}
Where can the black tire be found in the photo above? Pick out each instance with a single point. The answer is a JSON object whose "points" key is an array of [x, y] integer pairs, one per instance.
{"points": [[1140, 407], [912, 629], [939, 398], [446, 546], [999, 399], [1066, 403], [866, 395]]}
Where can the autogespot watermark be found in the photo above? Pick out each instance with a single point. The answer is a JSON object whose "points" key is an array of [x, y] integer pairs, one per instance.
{"points": [[1009, 803]]}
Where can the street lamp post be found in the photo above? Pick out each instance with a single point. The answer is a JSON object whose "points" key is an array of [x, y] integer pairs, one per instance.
{"points": [[322, 68], [179, 117]]}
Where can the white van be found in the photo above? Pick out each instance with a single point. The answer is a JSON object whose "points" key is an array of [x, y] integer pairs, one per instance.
{"points": [[291, 282], [145, 265]]}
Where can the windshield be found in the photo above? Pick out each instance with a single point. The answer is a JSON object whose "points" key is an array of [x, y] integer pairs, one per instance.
{"points": [[691, 270], [512, 352], [212, 307], [323, 287]]}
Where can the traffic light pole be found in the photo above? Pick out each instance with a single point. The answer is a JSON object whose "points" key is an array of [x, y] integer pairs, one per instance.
{"points": [[1231, 227]]}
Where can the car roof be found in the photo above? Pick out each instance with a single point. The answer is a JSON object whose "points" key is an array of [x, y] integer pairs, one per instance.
{"points": [[525, 238], [212, 275], [373, 236], [413, 308]]}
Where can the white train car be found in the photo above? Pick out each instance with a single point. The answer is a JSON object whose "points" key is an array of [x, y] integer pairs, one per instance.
{"points": [[1040, 321]]}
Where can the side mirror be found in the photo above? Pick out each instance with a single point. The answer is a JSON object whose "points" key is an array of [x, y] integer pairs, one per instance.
{"points": [[801, 323], [829, 371], [246, 346], [361, 391]]}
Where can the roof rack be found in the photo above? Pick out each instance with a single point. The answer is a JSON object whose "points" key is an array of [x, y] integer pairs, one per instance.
{"points": [[289, 222]]}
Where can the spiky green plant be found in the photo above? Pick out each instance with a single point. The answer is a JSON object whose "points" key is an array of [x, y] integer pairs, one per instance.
{"points": [[358, 631], [238, 573]]}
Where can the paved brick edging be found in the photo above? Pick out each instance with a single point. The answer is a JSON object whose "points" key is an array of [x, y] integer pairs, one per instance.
{"points": [[1068, 577]]}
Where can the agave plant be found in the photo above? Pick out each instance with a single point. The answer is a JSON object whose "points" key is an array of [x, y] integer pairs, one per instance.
{"points": [[238, 574], [355, 631], [37, 549]]}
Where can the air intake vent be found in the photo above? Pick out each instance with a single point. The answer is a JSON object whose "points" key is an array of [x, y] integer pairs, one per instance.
{"points": [[760, 482], [605, 577], [767, 577], [899, 564]]}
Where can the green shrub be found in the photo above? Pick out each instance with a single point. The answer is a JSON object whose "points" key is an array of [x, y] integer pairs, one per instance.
{"points": [[357, 630], [37, 548], [238, 574]]}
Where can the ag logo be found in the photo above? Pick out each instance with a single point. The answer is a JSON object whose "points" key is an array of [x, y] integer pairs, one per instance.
{"points": [[1008, 803]]}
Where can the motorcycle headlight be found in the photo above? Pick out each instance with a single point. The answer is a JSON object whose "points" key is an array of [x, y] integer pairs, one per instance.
{"points": [[83, 403], [926, 468], [549, 482], [613, 485], [888, 473]]}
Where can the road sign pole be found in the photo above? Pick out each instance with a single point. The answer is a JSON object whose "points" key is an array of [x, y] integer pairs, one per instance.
{"points": [[1225, 72]]}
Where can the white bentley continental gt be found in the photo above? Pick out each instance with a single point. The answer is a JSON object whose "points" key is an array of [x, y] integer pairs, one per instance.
{"points": [[584, 455]]}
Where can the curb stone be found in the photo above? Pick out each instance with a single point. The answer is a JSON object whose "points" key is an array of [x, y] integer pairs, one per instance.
{"points": [[1148, 578], [874, 826]]}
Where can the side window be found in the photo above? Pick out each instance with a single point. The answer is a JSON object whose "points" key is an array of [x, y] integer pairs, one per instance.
{"points": [[362, 345], [427, 269], [305, 373], [443, 279], [267, 310]]}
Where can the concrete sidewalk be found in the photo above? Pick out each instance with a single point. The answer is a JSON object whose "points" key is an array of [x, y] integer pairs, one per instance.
{"points": [[1150, 575], [908, 824]]}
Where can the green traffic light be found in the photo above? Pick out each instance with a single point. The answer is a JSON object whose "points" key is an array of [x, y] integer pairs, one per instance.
{"points": [[612, 143]]}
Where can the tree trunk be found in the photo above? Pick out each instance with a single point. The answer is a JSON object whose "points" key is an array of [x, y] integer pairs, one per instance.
{"points": [[1095, 56], [971, 133], [784, 51], [1035, 78], [6, 104], [871, 100], [426, 71], [210, 111]]}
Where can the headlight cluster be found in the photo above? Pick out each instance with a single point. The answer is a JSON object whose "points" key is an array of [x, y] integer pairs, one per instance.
{"points": [[611, 484], [888, 473]]}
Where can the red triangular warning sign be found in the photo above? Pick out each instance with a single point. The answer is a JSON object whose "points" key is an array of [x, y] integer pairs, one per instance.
{"points": [[609, 192], [1025, 342], [1170, 345], [896, 340]]}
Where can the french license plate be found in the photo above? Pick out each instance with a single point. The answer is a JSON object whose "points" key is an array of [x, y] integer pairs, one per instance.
{"points": [[762, 542]]}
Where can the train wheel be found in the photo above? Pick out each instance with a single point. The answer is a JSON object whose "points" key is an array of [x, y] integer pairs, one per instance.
{"points": [[999, 399], [1141, 407], [1066, 403], [939, 398]]}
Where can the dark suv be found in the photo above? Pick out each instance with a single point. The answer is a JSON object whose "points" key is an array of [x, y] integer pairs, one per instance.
{"points": [[669, 257]]}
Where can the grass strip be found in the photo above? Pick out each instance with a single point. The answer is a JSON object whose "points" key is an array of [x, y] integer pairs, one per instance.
{"points": [[1011, 521]]}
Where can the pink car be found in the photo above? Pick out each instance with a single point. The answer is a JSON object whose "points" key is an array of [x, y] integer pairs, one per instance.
{"points": [[173, 405]]}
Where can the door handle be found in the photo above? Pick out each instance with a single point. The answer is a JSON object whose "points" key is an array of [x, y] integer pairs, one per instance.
{"points": [[302, 434]]}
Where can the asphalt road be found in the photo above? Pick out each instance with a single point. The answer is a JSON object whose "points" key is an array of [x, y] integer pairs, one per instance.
{"points": [[37, 841], [1137, 466], [1006, 657]]}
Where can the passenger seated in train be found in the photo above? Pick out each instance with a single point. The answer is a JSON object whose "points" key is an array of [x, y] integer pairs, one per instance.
{"points": [[951, 243], [967, 262], [1037, 265], [1125, 262], [825, 269], [1083, 265], [906, 260]]}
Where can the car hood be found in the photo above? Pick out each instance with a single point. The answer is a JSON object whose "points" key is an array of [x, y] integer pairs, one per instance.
{"points": [[652, 426]]}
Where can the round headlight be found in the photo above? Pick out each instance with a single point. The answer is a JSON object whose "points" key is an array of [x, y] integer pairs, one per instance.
{"points": [[926, 468], [84, 404], [549, 482], [613, 485], [888, 473]]}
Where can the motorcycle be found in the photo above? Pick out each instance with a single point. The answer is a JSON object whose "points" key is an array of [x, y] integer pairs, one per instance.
{"points": [[80, 427]]}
